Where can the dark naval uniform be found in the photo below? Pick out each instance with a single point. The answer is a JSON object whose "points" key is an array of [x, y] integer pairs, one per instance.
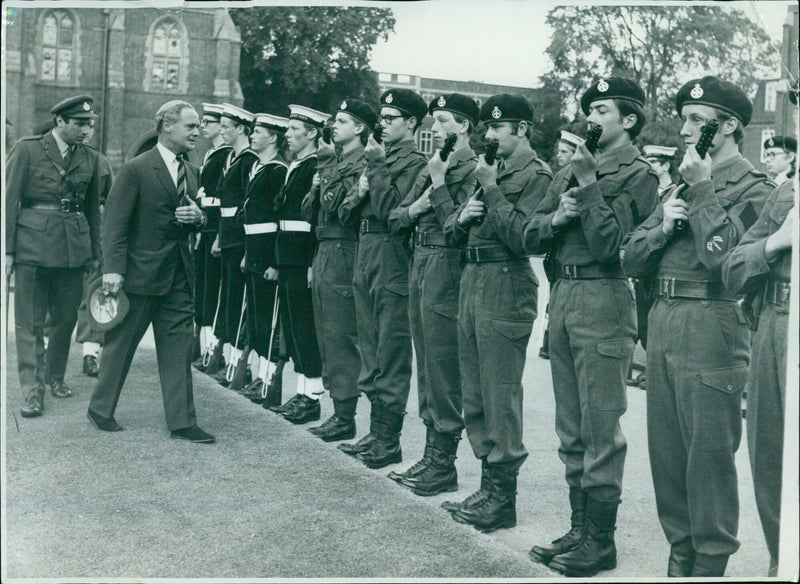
{"points": [[747, 271], [53, 231]]}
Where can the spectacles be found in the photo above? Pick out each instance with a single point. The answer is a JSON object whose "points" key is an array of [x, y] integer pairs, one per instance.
{"points": [[389, 118], [207, 122], [773, 155]]}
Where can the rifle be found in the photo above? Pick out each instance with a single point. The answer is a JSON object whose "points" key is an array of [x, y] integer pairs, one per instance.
{"points": [[595, 131], [488, 156], [327, 133], [703, 144], [449, 144], [377, 133]]}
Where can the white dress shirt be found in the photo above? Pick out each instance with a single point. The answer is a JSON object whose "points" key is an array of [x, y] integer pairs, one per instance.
{"points": [[171, 160], [63, 148]]}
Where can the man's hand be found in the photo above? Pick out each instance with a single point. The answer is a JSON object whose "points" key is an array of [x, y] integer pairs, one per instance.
{"points": [[486, 175], [189, 214], [568, 209], [674, 209], [782, 239], [437, 169], [363, 186], [9, 264], [271, 274], [373, 150], [112, 283], [215, 249], [309, 277], [325, 150], [694, 169], [315, 180], [474, 208], [421, 205], [584, 166]]}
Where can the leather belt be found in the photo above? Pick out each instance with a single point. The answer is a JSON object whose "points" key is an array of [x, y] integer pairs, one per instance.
{"points": [[228, 211], [672, 288], [257, 228], [324, 232], [65, 206], [590, 272], [209, 202], [373, 226], [777, 293], [479, 255], [295, 226], [429, 238]]}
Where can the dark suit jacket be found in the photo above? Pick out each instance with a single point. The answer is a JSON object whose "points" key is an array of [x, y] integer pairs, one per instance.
{"points": [[141, 238]]}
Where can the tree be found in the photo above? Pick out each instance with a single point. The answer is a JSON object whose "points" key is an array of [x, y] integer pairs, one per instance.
{"points": [[310, 55], [661, 47]]}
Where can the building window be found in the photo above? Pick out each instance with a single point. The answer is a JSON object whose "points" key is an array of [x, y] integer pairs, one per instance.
{"points": [[766, 134], [59, 39], [167, 44], [426, 142]]}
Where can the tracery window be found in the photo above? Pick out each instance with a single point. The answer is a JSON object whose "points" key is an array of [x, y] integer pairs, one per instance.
{"points": [[59, 39]]}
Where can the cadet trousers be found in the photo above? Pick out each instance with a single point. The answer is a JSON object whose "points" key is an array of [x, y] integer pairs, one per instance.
{"points": [[335, 319], [766, 396], [297, 320], [260, 305], [84, 333], [230, 303], [697, 358], [592, 332], [380, 290], [208, 271], [496, 310], [434, 283]]}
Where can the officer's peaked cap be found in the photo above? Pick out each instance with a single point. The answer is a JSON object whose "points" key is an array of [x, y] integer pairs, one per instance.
{"points": [[79, 106]]}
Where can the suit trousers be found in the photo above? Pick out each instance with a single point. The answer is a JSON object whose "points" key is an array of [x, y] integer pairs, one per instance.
{"points": [[171, 316], [39, 291], [297, 320], [208, 271], [84, 332], [230, 303]]}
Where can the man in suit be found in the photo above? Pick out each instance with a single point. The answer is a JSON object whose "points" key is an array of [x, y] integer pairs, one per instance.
{"points": [[149, 216], [52, 234]]}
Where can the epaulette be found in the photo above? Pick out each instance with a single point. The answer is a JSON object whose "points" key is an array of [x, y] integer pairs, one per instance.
{"points": [[761, 174], [545, 172], [35, 137]]}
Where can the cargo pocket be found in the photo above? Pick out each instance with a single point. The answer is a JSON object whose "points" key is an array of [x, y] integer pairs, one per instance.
{"points": [[607, 388], [720, 406], [83, 224], [399, 288], [445, 311], [513, 330], [345, 290]]}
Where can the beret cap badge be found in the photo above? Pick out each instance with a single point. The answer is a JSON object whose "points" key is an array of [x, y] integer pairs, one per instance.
{"points": [[696, 92], [86, 106], [496, 113], [343, 106], [602, 86], [441, 102], [389, 98], [771, 143]]}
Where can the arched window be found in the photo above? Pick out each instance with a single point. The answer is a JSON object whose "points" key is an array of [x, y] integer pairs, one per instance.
{"points": [[59, 39], [168, 49]]}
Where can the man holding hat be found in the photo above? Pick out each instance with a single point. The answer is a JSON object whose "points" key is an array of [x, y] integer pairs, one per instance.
{"points": [[149, 217], [434, 281], [698, 340], [781, 157], [593, 317], [660, 160], [380, 280], [52, 233], [332, 284], [496, 308]]}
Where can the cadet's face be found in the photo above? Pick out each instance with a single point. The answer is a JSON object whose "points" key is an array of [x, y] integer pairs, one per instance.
{"points": [[211, 127], [564, 153], [297, 136], [443, 124], [344, 128], [777, 161], [74, 131], [181, 135], [504, 133], [227, 129], [259, 139], [606, 113], [694, 117], [393, 124]]}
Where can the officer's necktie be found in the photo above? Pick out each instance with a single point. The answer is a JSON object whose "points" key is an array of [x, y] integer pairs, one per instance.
{"points": [[181, 182]]}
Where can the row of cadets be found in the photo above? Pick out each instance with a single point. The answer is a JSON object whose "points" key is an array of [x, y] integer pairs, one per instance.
{"points": [[265, 180], [332, 284], [294, 252], [380, 280], [208, 267], [236, 125], [434, 280]]}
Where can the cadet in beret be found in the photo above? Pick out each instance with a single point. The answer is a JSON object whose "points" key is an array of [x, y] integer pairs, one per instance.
{"points": [[698, 342], [209, 266], [52, 233], [380, 280], [593, 317], [781, 157], [660, 160], [434, 280], [496, 308], [332, 283]]}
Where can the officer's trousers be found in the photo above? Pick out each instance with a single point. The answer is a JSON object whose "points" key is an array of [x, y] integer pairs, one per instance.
{"points": [[766, 395], [496, 310], [208, 271], [335, 319], [84, 333], [230, 307], [592, 332], [698, 352], [260, 305], [37, 291], [297, 320], [380, 289], [434, 282]]}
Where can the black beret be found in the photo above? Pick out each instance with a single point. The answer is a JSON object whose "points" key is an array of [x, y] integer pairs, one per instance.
{"points": [[507, 107], [456, 103], [612, 88], [406, 101], [717, 93], [360, 110], [788, 143], [79, 106]]}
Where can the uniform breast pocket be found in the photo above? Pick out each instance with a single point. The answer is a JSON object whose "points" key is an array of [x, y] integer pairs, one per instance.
{"points": [[34, 221]]}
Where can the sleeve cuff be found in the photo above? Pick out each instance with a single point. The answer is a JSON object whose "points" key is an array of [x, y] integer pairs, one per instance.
{"points": [[439, 196], [493, 196], [589, 194], [656, 239], [697, 191]]}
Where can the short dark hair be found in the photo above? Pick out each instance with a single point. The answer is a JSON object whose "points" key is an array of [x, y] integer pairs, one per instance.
{"points": [[627, 108], [528, 129], [461, 119], [310, 127], [738, 133]]}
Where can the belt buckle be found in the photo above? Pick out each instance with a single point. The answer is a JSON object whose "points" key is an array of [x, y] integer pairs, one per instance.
{"points": [[782, 293], [569, 272], [364, 225], [667, 287], [422, 238], [65, 205]]}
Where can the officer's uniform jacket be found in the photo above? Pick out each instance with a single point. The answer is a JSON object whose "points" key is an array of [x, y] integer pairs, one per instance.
{"points": [[231, 194], [337, 179], [459, 185], [390, 179], [37, 174], [260, 217], [213, 164], [295, 243]]}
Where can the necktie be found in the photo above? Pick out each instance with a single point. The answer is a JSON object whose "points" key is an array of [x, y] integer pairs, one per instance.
{"points": [[181, 182], [67, 155]]}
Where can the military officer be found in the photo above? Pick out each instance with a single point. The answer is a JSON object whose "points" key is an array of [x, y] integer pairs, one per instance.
{"points": [[332, 283], [698, 341], [380, 281], [593, 317], [496, 308], [52, 233], [780, 156], [433, 291], [660, 160]]}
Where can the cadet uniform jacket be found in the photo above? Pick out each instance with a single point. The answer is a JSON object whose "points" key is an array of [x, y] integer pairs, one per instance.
{"points": [[37, 175], [295, 244], [210, 175], [231, 194], [337, 179], [260, 218]]}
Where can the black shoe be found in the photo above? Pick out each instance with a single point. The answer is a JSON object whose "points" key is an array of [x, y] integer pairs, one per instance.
{"points": [[421, 465], [90, 366], [60, 389], [306, 410], [358, 447], [103, 423], [198, 364], [289, 405], [253, 391], [193, 434], [335, 428], [499, 509], [221, 376], [34, 405]]}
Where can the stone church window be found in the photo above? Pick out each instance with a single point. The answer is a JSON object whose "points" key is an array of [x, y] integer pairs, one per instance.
{"points": [[58, 47], [168, 48]]}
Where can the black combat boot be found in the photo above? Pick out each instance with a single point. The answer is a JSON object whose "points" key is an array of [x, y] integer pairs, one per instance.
{"points": [[499, 509], [544, 553], [441, 475], [216, 362], [386, 448], [706, 566], [681, 559], [596, 551], [418, 467], [475, 498], [366, 441]]}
